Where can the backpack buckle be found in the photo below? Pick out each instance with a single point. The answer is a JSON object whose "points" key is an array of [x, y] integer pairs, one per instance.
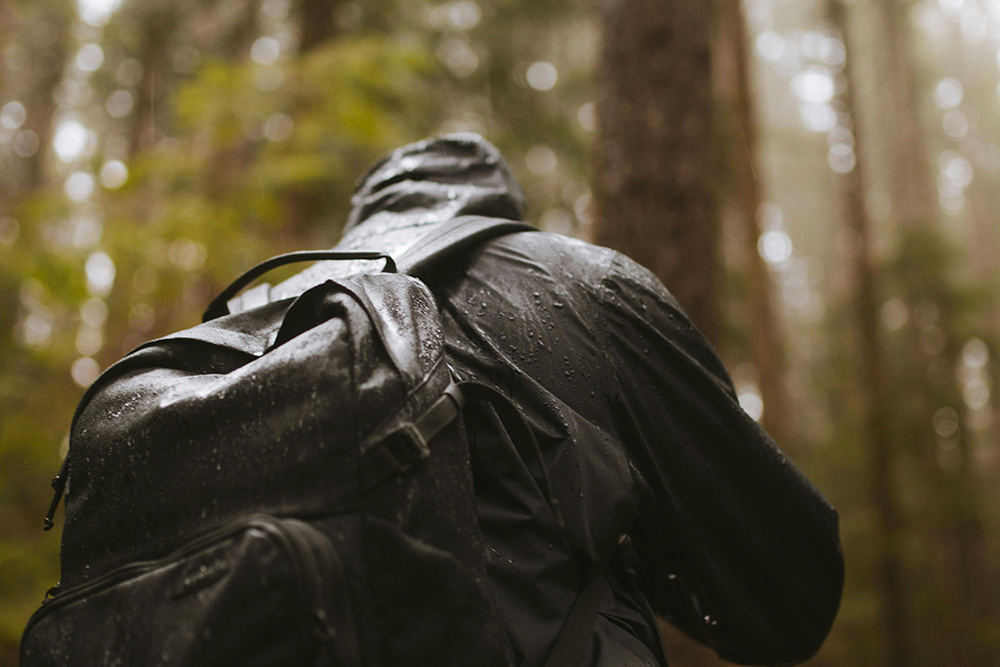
{"points": [[407, 444]]}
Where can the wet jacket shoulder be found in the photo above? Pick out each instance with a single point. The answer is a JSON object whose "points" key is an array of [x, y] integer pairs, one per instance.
{"points": [[646, 440], [736, 546]]}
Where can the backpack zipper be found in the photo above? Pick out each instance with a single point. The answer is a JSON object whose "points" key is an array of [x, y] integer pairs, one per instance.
{"points": [[331, 617], [313, 562]]}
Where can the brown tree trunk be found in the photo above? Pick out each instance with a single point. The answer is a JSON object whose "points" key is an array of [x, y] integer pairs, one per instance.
{"points": [[44, 35], [158, 25], [303, 205], [317, 23], [896, 623], [912, 188], [655, 188], [766, 335], [974, 581]]}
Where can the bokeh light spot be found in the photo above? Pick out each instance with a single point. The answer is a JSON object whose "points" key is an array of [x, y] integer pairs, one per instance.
{"points": [[542, 75], [79, 186], [12, 115], [775, 247], [90, 57], [265, 51], [84, 371], [70, 140], [949, 93], [100, 272], [114, 174]]}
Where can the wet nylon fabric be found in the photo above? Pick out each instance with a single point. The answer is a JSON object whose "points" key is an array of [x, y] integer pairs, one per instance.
{"points": [[655, 467]]}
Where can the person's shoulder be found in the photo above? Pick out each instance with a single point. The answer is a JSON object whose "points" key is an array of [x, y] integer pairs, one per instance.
{"points": [[572, 255], [615, 274]]}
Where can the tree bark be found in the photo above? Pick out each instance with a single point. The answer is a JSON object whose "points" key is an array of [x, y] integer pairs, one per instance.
{"points": [[655, 188]]}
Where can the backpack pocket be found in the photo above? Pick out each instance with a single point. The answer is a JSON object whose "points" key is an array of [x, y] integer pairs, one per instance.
{"points": [[261, 591]]}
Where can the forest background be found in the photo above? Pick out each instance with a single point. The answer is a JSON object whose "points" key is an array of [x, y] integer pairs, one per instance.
{"points": [[816, 180]]}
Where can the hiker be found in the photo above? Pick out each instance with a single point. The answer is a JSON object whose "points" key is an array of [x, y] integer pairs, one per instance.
{"points": [[465, 442], [669, 493]]}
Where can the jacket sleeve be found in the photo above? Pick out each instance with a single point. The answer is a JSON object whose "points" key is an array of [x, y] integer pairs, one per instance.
{"points": [[735, 546]]}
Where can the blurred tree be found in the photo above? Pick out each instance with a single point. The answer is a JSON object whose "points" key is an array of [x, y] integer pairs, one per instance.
{"points": [[911, 183], [739, 123], [317, 21], [36, 43], [875, 404]]}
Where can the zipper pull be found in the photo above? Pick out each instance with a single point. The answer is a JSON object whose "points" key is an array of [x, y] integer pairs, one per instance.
{"points": [[59, 487], [52, 592]]}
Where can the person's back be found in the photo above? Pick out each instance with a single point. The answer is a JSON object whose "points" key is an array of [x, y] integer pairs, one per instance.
{"points": [[649, 475]]}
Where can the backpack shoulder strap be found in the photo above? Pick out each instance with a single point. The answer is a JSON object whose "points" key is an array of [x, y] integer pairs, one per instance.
{"points": [[452, 238]]}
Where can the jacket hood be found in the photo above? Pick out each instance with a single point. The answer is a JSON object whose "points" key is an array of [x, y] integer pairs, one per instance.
{"points": [[432, 181], [409, 192]]}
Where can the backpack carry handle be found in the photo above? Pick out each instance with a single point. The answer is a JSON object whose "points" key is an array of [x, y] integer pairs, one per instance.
{"points": [[220, 304]]}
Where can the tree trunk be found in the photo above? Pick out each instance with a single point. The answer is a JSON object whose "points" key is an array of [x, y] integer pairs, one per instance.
{"points": [[44, 35], [316, 17], [158, 25], [766, 336], [655, 185], [655, 188], [912, 188], [896, 623]]}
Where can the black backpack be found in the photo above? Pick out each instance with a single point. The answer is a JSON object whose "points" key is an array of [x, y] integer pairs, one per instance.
{"points": [[287, 485]]}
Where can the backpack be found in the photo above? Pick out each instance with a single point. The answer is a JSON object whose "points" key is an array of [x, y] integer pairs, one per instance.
{"points": [[287, 485]]}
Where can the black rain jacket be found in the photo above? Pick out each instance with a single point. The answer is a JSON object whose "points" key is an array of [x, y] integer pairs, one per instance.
{"points": [[663, 481]]}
